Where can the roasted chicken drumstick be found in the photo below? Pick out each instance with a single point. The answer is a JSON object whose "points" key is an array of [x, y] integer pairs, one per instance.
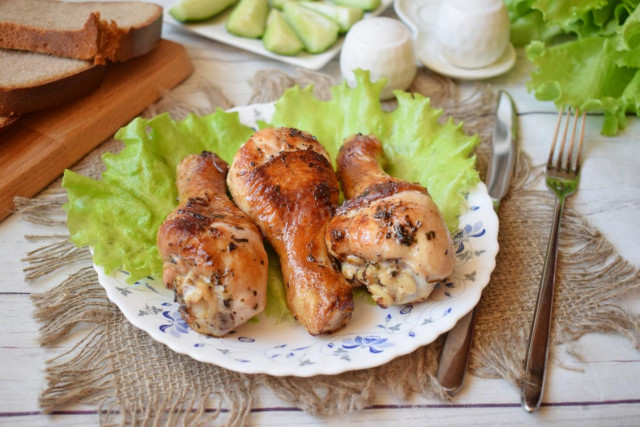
{"points": [[388, 235], [283, 179], [213, 254]]}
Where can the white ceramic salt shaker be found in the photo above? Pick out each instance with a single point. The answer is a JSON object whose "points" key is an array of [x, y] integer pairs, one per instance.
{"points": [[472, 33], [384, 47]]}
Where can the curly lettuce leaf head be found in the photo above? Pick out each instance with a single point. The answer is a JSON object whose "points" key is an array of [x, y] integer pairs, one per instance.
{"points": [[598, 69], [531, 26], [528, 24], [119, 215], [626, 41], [545, 20], [590, 80], [564, 12]]}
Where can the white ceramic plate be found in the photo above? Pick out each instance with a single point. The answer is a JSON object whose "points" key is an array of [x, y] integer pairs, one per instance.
{"points": [[214, 29], [374, 335], [419, 16]]}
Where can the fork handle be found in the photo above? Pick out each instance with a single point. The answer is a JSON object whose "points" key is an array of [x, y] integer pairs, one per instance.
{"points": [[538, 351]]}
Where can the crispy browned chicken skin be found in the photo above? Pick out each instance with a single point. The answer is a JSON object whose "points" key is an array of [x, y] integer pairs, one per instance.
{"points": [[213, 254], [388, 235], [284, 180]]}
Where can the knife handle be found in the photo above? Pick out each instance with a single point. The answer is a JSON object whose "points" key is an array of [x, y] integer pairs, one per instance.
{"points": [[454, 357]]}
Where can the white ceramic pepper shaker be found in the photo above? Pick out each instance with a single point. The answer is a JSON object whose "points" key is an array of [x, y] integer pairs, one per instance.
{"points": [[383, 46]]}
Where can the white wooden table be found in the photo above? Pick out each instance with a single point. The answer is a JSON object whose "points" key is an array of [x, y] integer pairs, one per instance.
{"points": [[606, 392]]}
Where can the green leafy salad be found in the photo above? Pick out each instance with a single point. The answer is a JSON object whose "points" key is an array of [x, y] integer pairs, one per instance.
{"points": [[119, 215], [587, 54]]}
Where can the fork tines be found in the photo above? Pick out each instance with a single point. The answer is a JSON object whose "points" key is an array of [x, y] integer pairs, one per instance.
{"points": [[570, 165]]}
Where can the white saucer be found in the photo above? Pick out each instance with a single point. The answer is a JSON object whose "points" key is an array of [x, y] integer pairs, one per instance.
{"points": [[419, 16], [428, 53]]}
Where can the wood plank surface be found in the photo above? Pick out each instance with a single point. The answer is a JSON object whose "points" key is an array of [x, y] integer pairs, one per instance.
{"points": [[39, 146]]}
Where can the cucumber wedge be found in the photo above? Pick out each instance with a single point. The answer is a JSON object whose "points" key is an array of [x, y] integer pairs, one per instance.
{"points": [[248, 18], [360, 4], [198, 10], [344, 16], [279, 37], [279, 4], [316, 31]]}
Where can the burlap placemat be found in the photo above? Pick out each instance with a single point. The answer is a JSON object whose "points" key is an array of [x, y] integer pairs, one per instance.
{"points": [[132, 379]]}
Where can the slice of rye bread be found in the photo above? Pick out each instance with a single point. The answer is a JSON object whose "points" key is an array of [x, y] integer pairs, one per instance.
{"points": [[97, 31], [30, 81]]}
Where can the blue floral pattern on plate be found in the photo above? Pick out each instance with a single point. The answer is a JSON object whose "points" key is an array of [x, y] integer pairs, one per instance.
{"points": [[373, 337]]}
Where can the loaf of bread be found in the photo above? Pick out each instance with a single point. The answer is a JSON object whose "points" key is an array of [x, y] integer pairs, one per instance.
{"points": [[31, 81], [54, 51], [97, 31]]}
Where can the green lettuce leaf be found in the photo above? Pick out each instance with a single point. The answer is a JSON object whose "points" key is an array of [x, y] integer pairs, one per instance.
{"points": [[531, 26], [564, 12], [626, 41], [528, 24], [592, 80], [119, 215], [545, 20], [586, 53]]}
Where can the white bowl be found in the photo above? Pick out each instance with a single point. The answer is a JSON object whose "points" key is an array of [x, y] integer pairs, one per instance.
{"points": [[383, 46], [472, 33]]}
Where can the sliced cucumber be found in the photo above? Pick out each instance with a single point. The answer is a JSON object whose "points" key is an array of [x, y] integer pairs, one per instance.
{"points": [[344, 16], [316, 31], [279, 4], [198, 10], [279, 37], [360, 4], [248, 18]]}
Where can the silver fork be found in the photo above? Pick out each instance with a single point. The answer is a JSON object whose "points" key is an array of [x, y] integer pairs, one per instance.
{"points": [[562, 178]]}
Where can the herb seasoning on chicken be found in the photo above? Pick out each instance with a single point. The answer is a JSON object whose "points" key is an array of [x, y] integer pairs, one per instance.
{"points": [[388, 235], [213, 254], [284, 180]]}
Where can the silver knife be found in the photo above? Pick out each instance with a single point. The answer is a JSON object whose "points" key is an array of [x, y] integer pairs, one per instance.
{"points": [[455, 352]]}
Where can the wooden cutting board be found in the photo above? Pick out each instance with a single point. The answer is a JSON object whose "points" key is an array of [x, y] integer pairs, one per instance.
{"points": [[36, 149]]}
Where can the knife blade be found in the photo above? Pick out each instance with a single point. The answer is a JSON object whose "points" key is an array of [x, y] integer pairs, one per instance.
{"points": [[504, 149], [454, 356]]}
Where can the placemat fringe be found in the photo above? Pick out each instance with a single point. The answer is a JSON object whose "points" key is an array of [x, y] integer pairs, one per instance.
{"points": [[78, 291], [52, 257], [82, 374], [47, 211]]}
